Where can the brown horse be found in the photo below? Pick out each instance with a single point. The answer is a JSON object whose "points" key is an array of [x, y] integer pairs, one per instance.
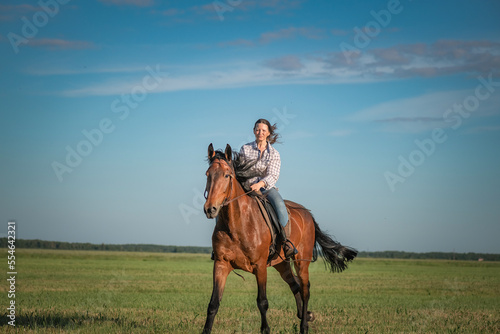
{"points": [[241, 240]]}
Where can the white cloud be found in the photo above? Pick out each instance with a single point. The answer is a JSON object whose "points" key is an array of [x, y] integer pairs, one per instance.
{"points": [[425, 112], [67, 70], [138, 3], [393, 63], [286, 63], [483, 129], [340, 133], [225, 75], [291, 32], [60, 44], [444, 57], [209, 80]]}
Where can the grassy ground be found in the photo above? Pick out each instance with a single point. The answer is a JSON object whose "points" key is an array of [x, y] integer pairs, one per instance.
{"points": [[118, 292]]}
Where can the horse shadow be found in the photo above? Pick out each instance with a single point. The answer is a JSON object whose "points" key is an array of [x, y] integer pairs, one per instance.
{"points": [[60, 320]]}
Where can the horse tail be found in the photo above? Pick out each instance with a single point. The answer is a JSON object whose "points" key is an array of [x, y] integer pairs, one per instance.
{"points": [[335, 255]]}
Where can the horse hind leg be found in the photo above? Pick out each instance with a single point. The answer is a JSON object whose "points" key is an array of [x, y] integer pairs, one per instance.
{"points": [[287, 275], [303, 277], [310, 315]]}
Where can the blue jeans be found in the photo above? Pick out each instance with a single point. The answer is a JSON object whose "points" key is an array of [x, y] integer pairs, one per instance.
{"points": [[278, 204]]}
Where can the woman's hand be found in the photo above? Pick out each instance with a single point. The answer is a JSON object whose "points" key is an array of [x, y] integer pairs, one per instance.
{"points": [[258, 185]]}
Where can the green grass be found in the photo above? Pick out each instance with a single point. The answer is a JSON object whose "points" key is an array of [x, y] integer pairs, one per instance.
{"points": [[118, 292]]}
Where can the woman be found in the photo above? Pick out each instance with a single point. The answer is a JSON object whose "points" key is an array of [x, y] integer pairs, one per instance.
{"points": [[267, 166]]}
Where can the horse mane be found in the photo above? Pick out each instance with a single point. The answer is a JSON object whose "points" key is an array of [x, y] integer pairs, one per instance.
{"points": [[242, 168]]}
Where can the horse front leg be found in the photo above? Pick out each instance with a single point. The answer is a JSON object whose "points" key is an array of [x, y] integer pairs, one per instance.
{"points": [[221, 271], [262, 303]]}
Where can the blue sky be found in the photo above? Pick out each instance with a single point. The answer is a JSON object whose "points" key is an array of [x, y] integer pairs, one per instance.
{"points": [[389, 113]]}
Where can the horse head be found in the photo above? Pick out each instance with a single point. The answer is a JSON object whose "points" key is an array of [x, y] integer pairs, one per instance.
{"points": [[219, 180]]}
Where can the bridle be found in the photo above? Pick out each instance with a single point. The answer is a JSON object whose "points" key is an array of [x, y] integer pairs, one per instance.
{"points": [[229, 189]]}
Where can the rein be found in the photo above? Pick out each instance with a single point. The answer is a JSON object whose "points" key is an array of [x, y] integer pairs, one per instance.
{"points": [[226, 202]]}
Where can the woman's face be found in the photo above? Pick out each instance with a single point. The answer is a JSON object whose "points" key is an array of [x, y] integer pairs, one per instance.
{"points": [[261, 132]]}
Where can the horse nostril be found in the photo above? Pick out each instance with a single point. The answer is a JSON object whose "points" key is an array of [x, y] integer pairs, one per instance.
{"points": [[210, 211]]}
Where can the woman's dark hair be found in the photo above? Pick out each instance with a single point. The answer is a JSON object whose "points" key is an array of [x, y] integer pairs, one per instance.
{"points": [[273, 135]]}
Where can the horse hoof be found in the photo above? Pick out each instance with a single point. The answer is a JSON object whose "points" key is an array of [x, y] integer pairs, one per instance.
{"points": [[310, 316]]}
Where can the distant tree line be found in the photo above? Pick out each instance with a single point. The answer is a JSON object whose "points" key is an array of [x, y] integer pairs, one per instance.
{"points": [[43, 244], [432, 255]]}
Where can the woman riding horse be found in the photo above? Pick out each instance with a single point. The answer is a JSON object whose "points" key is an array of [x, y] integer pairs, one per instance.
{"points": [[241, 237], [266, 163]]}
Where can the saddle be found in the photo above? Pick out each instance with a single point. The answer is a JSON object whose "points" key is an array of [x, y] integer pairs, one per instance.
{"points": [[274, 225]]}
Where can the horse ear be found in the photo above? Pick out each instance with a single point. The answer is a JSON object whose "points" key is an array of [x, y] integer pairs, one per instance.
{"points": [[211, 152], [229, 153]]}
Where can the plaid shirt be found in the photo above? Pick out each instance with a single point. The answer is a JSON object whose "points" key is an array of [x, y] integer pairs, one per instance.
{"points": [[269, 163]]}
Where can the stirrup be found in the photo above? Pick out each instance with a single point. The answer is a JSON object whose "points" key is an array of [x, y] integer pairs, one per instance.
{"points": [[289, 249]]}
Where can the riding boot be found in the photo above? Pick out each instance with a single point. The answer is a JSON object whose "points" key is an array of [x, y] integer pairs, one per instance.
{"points": [[288, 247]]}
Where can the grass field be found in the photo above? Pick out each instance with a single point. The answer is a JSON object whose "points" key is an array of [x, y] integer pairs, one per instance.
{"points": [[118, 292]]}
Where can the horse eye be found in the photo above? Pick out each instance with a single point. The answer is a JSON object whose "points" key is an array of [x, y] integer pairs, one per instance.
{"points": [[227, 175]]}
